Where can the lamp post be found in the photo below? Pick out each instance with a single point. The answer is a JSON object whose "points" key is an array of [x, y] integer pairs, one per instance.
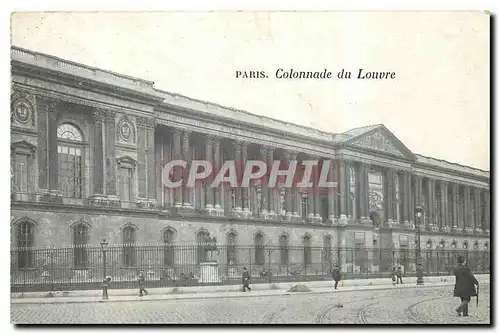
{"points": [[418, 215], [104, 245], [269, 251]]}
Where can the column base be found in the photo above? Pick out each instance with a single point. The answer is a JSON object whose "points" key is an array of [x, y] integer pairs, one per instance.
{"points": [[146, 203], [331, 221], [446, 229], [342, 221], [469, 230], [434, 228], [366, 221]]}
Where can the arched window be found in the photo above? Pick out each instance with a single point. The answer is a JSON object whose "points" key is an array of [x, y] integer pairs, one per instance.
{"points": [[129, 251], [259, 249], [80, 239], [231, 248], [284, 257], [307, 249], [201, 253], [70, 160], [168, 247], [25, 235], [327, 249]]}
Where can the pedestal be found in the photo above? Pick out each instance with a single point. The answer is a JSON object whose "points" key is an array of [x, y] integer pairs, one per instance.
{"points": [[209, 272]]}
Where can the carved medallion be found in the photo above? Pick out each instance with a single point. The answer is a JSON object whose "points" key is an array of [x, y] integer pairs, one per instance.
{"points": [[126, 130], [22, 111]]}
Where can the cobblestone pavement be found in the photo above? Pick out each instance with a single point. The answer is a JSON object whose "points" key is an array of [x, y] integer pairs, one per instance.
{"points": [[431, 305]]}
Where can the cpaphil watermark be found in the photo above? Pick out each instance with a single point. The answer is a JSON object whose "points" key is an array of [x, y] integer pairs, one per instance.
{"points": [[310, 174]]}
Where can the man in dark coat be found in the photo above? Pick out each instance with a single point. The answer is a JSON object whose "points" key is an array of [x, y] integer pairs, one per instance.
{"points": [[336, 275], [142, 284], [246, 280], [464, 287], [399, 275]]}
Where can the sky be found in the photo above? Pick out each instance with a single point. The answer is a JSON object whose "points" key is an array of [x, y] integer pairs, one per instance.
{"points": [[438, 105]]}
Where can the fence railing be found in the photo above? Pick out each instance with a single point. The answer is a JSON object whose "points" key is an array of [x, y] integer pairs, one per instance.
{"points": [[83, 267]]}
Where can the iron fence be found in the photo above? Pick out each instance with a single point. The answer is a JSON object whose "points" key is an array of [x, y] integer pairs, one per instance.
{"points": [[82, 267]]}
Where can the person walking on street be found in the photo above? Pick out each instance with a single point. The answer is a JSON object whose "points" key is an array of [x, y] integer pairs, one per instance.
{"points": [[399, 275], [465, 283], [336, 275], [142, 284], [246, 280]]}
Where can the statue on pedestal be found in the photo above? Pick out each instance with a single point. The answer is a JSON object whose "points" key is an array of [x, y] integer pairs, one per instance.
{"points": [[211, 245]]}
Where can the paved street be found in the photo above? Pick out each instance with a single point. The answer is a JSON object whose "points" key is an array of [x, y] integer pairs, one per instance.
{"points": [[431, 305]]}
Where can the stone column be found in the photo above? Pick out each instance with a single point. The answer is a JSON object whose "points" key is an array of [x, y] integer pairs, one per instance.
{"points": [[365, 194], [245, 190], [150, 159], [43, 109], [317, 195], [177, 155], [358, 192], [406, 197], [110, 155], [389, 195], [310, 195], [467, 210], [455, 205], [237, 158], [295, 192], [444, 209], [271, 191], [288, 191], [264, 181], [343, 190], [98, 167], [216, 169], [477, 210], [411, 196], [186, 154], [209, 205], [486, 224], [430, 203], [331, 197]]}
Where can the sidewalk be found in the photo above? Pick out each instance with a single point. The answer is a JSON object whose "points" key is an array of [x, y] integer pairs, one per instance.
{"points": [[230, 291]]}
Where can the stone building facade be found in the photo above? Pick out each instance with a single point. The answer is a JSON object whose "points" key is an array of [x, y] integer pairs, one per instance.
{"points": [[88, 148]]}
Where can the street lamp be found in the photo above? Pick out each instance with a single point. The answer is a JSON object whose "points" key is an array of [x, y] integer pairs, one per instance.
{"points": [[418, 215], [104, 246], [269, 251]]}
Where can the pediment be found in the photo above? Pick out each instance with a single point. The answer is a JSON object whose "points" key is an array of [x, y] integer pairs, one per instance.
{"points": [[127, 162], [382, 140], [23, 147]]}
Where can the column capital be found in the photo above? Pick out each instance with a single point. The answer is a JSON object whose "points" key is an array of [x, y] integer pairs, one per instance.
{"points": [[146, 122], [177, 132], [99, 114], [263, 149], [286, 155]]}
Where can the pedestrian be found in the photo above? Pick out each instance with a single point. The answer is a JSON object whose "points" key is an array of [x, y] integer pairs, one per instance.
{"points": [[336, 275], [465, 283], [246, 280], [399, 275], [142, 284], [393, 276]]}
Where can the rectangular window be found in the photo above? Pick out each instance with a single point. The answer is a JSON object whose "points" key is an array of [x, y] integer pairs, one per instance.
{"points": [[126, 184], [304, 206], [21, 173]]}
